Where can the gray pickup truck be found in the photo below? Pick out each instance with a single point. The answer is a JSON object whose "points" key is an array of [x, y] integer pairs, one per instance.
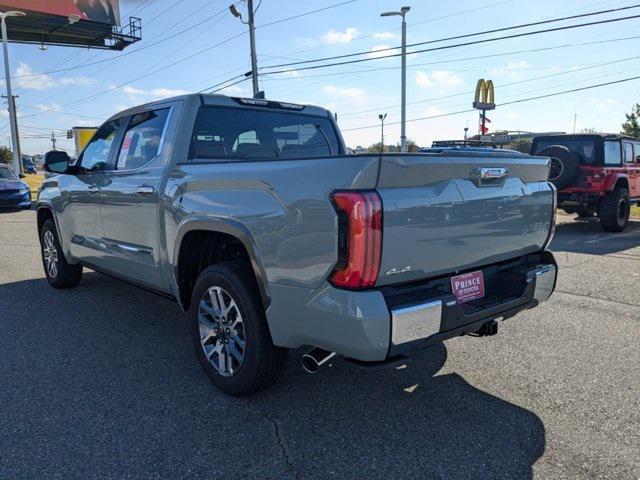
{"points": [[250, 214]]}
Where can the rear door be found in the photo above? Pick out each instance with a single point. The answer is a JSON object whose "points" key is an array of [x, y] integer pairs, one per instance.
{"points": [[130, 196], [632, 168]]}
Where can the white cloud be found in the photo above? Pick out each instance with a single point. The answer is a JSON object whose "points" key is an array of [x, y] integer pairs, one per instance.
{"points": [[138, 95], [333, 36], [385, 36], [381, 51], [513, 115], [602, 103], [432, 112], [517, 65], [28, 80], [423, 80], [439, 78], [352, 92]]}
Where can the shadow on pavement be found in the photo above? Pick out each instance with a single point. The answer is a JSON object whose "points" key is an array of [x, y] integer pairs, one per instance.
{"points": [[101, 382], [586, 236]]}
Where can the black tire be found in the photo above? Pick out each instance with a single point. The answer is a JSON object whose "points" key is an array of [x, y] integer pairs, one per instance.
{"points": [[65, 275], [262, 362], [614, 210], [565, 165]]}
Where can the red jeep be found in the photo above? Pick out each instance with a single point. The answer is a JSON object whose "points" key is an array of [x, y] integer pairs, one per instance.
{"points": [[595, 174]]}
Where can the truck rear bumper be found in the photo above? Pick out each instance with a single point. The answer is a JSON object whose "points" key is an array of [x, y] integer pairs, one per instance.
{"points": [[376, 325]]}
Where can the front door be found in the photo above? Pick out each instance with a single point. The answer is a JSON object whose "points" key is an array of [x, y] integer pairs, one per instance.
{"points": [[130, 198], [80, 218]]}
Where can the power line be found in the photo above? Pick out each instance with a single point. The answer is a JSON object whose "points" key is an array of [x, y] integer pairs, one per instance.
{"points": [[458, 37], [519, 82], [131, 52], [369, 35], [229, 85], [522, 100], [446, 47], [201, 52], [305, 13]]}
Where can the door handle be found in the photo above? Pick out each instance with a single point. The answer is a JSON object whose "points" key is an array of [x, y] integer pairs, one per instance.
{"points": [[144, 190], [93, 189]]}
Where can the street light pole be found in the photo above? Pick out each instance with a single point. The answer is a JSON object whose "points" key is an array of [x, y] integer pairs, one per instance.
{"points": [[403, 111], [12, 107], [382, 118], [403, 95]]}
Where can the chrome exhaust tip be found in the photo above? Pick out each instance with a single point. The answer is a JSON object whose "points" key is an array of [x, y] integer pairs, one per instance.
{"points": [[315, 358]]}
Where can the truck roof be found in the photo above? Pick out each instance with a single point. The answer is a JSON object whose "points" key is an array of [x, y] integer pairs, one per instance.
{"points": [[586, 135], [227, 101]]}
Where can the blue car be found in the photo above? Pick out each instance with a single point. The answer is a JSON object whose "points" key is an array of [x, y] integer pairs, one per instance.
{"points": [[14, 193]]}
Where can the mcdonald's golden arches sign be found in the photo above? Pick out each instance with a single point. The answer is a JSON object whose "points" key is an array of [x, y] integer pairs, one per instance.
{"points": [[485, 96]]}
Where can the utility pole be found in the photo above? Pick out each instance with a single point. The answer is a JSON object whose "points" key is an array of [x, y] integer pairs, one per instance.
{"points": [[53, 140], [17, 164], [575, 119], [19, 149], [252, 39], [382, 118], [254, 58], [403, 93]]}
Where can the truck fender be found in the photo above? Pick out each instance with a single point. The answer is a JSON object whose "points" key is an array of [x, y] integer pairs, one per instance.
{"points": [[227, 226], [47, 205], [612, 181]]}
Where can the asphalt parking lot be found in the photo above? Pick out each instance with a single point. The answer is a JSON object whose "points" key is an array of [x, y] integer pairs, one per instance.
{"points": [[101, 382]]}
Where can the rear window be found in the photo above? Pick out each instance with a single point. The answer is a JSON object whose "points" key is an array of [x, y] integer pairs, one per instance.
{"points": [[222, 134], [586, 148]]}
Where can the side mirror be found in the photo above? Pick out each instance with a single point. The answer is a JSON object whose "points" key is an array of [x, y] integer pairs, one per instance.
{"points": [[21, 175], [56, 161]]}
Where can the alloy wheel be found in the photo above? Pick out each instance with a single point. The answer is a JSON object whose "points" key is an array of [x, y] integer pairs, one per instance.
{"points": [[50, 253], [222, 333]]}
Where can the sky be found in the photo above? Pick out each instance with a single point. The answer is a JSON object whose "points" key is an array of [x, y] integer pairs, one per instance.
{"points": [[211, 46]]}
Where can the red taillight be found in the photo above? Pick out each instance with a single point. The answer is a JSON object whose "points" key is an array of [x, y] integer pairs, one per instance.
{"points": [[359, 239]]}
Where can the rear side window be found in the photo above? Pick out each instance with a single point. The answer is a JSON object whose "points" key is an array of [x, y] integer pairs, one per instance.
{"points": [[628, 152], [222, 134], [612, 153], [637, 145], [142, 140]]}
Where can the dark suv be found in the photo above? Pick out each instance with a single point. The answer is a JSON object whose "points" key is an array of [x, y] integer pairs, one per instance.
{"points": [[595, 174]]}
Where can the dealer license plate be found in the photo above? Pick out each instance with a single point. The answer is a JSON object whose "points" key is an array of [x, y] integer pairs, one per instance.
{"points": [[467, 287]]}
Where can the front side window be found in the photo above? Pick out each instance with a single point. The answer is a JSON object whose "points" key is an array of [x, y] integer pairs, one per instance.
{"points": [[238, 134], [612, 153], [142, 140], [95, 157], [628, 152]]}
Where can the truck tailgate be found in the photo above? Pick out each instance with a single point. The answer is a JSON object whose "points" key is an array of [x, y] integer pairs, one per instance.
{"points": [[448, 213]]}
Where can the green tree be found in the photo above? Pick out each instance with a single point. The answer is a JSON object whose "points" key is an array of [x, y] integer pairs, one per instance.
{"points": [[632, 126], [376, 148], [6, 156], [522, 145], [412, 146]]}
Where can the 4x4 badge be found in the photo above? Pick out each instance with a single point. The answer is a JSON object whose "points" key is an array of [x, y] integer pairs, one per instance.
{"points": [[395, 271]]}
